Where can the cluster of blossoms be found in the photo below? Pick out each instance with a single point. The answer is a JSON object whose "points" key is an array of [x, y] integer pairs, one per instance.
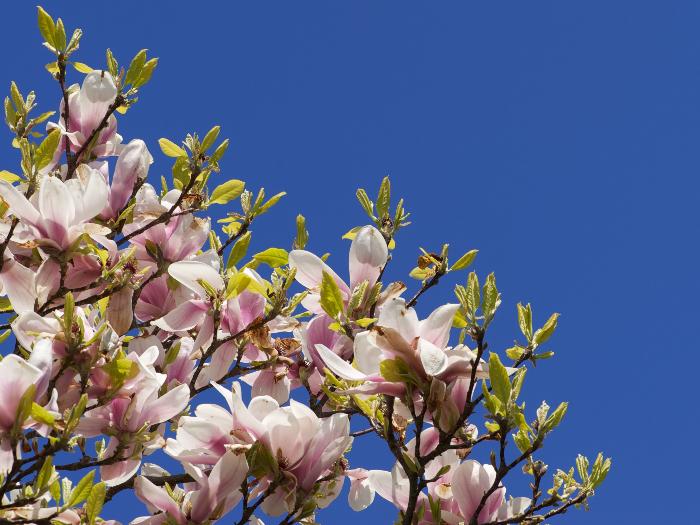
{"points": [[123, 305]]}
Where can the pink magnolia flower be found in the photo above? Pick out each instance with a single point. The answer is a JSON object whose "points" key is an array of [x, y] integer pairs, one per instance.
{"points": [[123, 417], [216, 494], [315, 332], [87, 107], [177, 239], [368, 255], [17, 376], [59, 212], [399, 333], [237, 312], [470, 482], [131, 166], [192, 312], [305, 446]]}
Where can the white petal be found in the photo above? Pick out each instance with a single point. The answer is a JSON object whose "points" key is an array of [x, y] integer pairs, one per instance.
{"points": [[190, 272], [436, 328], [434, 359], [338, 365], [310, 270]]}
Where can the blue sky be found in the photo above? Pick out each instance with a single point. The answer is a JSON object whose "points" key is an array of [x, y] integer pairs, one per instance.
{"points": [[558, 138]]}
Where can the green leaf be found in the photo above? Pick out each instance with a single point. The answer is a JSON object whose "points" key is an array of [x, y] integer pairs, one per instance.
{"points": [[522, 441], [518, 380], [465, 260], [68, 312], [41, 415], [9, 177], [55, 490], [112, 64], [525, 320], [543, 334], [181, 172], [45, 474], [366, 204], [74, 42], [331, 298], [82, 489], [237, 283], [227, 191], [24, 408], [95, 501], [492, 403], [270, 203], [219, 152], [498, 375], [240, 247], [82, 68], [473, 293], [491, 297], [17, 98], [171, 149], [553, 421], [397, 371], [146, 72], [46, 25], [600, 470], [273, 257], [135, 67], [515, 352], [384, 198], [302, 234], [59, 36], [421, 274], [261, 462], [210, 138], [45, 152]]}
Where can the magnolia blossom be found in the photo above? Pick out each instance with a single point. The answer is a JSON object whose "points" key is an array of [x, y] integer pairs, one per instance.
{"points": [[216, 493], [304, 445], [18, 375], [128, 415], [131, 166], [87, 107], [237, 312], [368, 255], [177, 239], [59, 212]]}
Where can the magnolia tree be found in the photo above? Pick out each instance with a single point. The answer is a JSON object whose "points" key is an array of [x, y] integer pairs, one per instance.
{"points": [[123, 305]]}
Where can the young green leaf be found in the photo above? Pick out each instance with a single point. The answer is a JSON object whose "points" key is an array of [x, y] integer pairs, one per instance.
{"points": [[47, 27], [45, 152], [273, 257], [525, 320], [302, 234], [95, 501], [171, 149], [498, 375], [384, 198], [240, 247], [465, 260], [135, 67], [331, 298], [210, 138], [544, 333], [227, 191], [366, 204], [82, 489]]}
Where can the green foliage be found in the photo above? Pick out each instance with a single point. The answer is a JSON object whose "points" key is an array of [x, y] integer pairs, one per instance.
{"points": [[226, 192], [331, 298]]}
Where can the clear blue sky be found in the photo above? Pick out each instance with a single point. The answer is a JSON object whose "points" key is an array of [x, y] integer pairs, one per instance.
{"points": [[559, 138]]}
